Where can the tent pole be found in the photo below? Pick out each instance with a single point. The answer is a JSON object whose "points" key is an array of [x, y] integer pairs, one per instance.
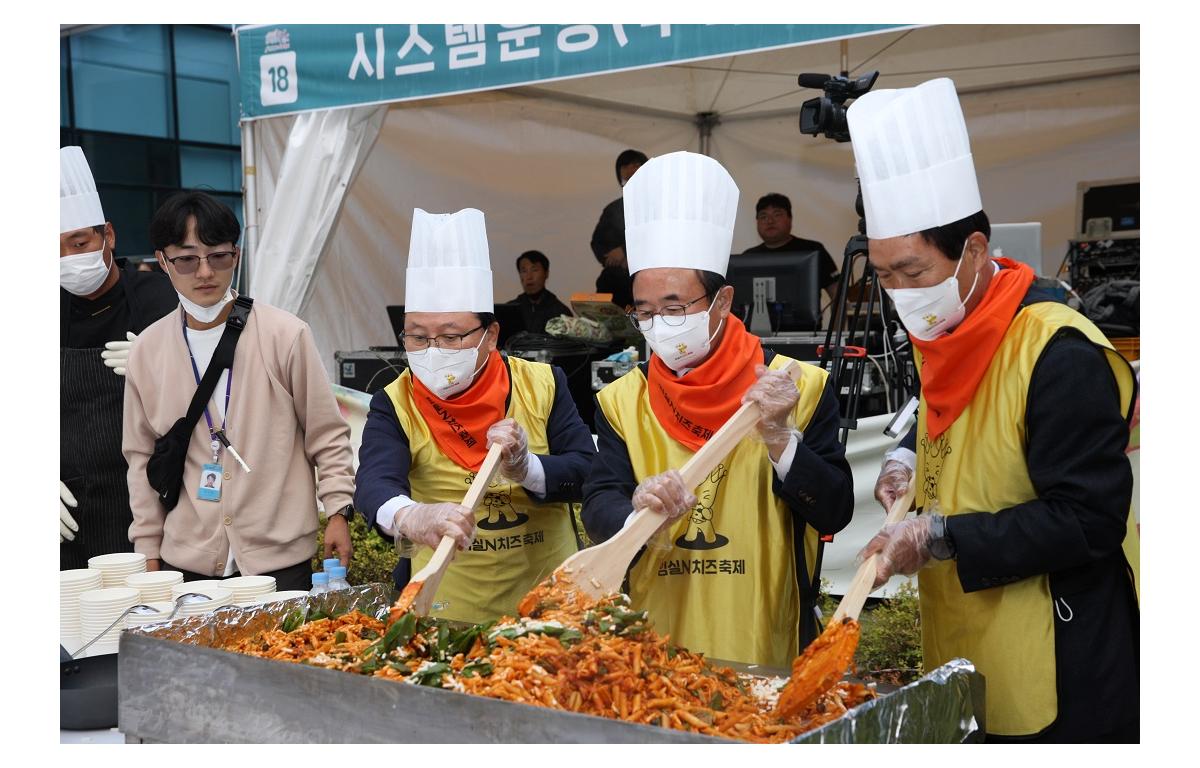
{"points": [[249, 200], [705, 122]]}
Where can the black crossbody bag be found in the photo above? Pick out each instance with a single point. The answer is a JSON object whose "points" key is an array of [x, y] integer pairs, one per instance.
{"points": [[164, 470]]}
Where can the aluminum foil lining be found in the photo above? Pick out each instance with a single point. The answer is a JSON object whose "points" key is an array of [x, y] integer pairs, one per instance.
{"points": [[946, 705]]}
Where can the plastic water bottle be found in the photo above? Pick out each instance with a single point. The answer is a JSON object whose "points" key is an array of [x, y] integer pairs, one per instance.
{"points": [[320, 583], [337, 578]]}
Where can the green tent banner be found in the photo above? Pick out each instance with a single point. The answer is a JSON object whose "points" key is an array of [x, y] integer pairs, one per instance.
{"points": [[288, 68]]}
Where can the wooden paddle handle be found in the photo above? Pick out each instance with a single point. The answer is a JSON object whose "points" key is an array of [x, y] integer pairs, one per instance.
{"points": [[864, 580], [483, 478]]}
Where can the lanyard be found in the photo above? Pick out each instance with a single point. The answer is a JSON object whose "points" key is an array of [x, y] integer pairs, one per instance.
{"points": [[212, 433]]}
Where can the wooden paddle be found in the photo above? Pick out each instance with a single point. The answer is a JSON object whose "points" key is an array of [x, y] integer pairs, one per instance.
{"points": [[598, 571], [826, 659], [418, 594]]}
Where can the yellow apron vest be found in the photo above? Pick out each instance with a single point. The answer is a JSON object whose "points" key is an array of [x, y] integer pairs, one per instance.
{"points": [[517, 540], [978, 464], [722, 580]]}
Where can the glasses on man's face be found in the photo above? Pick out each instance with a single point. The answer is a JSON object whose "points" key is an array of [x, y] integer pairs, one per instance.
{"points": [[672, 315], [414, 343], [187, 265]]}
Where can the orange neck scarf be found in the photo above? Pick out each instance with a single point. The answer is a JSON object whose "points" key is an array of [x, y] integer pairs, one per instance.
{"points": [[953, 365], [694, 406], [459, 425]]}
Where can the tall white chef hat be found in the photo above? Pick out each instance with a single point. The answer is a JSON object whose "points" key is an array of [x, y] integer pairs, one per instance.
{"points": [[679, 212], [449, 269], [78, 201], [914, 158]]}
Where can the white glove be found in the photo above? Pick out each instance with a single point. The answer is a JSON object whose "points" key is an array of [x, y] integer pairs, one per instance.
{"points": [[428, 523], [116, 353], [66, 524], [509, 435]]}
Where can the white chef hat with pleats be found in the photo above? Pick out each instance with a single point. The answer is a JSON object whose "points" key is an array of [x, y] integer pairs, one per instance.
{"points": [[914, 158], [679, 212], [78, 200], [449, 267]]}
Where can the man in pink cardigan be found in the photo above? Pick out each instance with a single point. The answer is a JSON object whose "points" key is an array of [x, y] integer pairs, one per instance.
{"points": [[274, 407]]}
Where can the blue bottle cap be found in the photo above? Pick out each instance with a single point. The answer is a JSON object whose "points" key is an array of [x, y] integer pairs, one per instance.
{"points": [[320, 578], [337, 571]]}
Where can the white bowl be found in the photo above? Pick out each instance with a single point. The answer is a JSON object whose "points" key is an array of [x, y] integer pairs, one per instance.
{"points": [[200, 586], [116, 560], [109, 596]]}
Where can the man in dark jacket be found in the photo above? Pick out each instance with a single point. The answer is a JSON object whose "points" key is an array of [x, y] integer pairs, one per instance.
{"points": [[103, 304], [608, 238]]}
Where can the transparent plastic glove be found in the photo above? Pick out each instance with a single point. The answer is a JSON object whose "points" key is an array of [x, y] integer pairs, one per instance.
{"points": [[902, 547], [664, 494], [892, 483], [514, 444], [776, 395], [116, 353], [428, 523], [66, 524]]}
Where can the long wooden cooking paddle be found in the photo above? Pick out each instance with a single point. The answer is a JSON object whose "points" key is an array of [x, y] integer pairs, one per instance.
{"points": [[828, 657], [418, 594], [598, 571]]}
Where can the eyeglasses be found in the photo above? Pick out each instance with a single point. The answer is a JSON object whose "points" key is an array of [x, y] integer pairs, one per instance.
{"points": [[414, 343], [187, 265], [672, 315]]}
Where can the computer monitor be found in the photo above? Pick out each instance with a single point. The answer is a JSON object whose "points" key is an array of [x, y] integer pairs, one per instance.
{"points": [[396, 317], [790, 286], [511, 320]]}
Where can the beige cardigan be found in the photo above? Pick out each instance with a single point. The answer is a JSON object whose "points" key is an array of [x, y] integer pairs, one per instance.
{"points": [[283, 420]]}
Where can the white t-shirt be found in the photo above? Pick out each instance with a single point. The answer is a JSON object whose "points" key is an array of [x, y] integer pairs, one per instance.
{"points": [[203, 344]]}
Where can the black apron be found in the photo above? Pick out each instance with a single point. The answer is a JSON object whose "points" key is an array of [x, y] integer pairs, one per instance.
{"points": [[91, 401]]}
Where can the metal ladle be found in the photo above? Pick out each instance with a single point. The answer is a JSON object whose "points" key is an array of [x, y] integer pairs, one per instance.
{"points": [[143, 610]]}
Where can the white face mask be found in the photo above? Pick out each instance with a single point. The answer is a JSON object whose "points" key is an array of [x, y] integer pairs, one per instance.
{"points": [[681, 346], [84, 273], [446, 372], [930, 313], [205, 314]]}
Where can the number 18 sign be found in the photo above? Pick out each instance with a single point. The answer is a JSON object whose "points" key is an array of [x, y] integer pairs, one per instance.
{"points": [[279, 82]]}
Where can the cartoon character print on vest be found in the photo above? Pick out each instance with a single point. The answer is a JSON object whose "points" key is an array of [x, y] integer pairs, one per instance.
{"points": [[935, 453], [501, 515], [701, 534]]}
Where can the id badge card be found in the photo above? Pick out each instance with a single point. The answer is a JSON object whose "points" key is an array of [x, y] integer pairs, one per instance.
{"points": [[210, 482]]}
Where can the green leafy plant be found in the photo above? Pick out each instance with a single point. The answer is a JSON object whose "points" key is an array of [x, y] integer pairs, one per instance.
{"points": [[374, 556], [890, 646]]}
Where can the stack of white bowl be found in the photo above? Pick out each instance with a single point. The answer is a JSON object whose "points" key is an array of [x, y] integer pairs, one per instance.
{"points": [[72, 584], [154, 586], [195, 586], [118, 566], [247, 589], [100, 608], [163, 609], [217, 598]]}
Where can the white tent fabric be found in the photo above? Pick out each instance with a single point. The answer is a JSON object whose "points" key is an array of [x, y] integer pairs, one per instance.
{"points": [[324, 151], [1046, 107]]}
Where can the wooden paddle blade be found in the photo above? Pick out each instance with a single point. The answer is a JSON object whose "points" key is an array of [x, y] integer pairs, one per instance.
{"points": [[418, 595], [819, 668]]}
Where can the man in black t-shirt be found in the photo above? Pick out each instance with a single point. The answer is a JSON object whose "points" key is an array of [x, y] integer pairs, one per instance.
{"points": [[773, 215], [608, 238]]}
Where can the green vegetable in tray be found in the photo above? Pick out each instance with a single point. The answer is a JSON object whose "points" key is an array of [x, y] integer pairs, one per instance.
{"points": [[294, 620], [400, 633], [430, 675]]}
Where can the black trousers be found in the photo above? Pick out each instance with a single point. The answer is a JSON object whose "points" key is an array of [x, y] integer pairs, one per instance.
{"points": [[298, 576]]}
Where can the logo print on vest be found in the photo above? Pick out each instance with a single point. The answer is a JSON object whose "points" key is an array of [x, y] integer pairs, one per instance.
{"points": [[501, 515], [700, 533], [934, 453]]}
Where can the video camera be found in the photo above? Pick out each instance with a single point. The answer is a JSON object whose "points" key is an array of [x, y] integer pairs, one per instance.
{"points": [[827, 114]]}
